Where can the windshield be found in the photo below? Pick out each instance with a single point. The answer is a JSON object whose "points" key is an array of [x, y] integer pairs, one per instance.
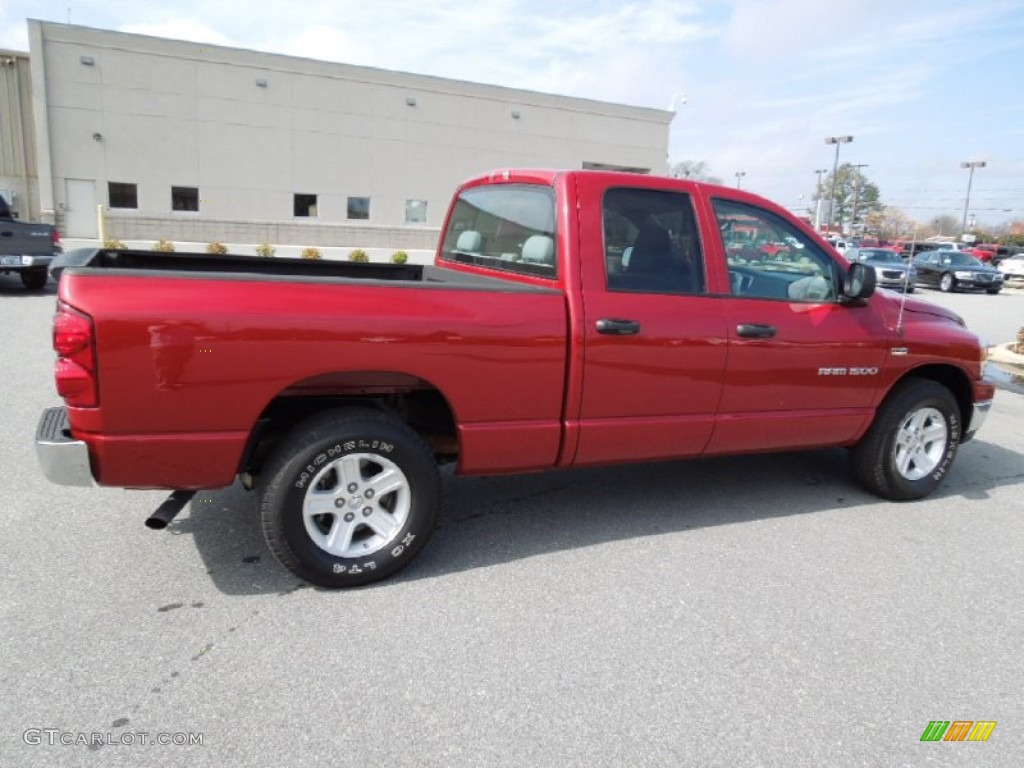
{"points": [[957, 259]]}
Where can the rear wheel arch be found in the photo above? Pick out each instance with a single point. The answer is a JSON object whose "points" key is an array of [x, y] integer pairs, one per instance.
{"points": [[410, 400]]}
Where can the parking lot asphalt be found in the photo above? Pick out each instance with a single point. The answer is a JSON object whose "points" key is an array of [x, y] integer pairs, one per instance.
{"points": [[756, 611]]}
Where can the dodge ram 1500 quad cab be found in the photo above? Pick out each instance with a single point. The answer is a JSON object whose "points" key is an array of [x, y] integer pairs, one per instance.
{"points": [[570, 318]]}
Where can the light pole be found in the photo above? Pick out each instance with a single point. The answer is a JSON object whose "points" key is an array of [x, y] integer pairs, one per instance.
{"points": [[856, 194], [680, 97], [817, 195], [739, 178], [972, 164], [837, 140]]}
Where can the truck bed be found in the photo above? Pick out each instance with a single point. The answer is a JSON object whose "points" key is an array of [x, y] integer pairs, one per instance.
{"points": [[231, 266]]}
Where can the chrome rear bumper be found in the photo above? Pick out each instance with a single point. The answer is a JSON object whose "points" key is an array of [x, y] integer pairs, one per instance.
{"points": [[65, 461]]}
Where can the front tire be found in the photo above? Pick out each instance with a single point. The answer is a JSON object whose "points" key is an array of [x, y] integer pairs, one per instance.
{"points": [[947, 283], [992, 291], [34, 279], [351, 497], [912, 442]]}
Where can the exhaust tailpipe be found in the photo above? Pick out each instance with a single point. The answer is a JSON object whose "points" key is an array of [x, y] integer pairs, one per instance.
{"points": [[169, 510]]}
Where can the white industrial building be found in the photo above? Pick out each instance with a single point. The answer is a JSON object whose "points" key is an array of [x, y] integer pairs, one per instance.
{"points": [[193, 142]]}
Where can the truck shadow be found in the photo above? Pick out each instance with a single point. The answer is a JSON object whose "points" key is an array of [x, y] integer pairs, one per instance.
{"points": [[10, 286], [490, 521]]}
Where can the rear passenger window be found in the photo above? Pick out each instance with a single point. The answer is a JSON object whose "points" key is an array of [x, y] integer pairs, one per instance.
{"points": [[510, 227], [651, 242]]}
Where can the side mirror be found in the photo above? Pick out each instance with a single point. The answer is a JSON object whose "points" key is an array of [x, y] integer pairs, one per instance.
{"points": [[859, 282]]}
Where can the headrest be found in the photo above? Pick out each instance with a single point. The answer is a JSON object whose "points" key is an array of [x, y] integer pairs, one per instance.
{"points": [[539, 249]]}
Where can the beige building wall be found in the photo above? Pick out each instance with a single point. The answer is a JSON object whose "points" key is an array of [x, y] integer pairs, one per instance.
{"points": [[250, 130], [18, 172]]}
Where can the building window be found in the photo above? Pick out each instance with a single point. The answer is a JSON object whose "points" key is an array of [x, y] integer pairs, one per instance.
{"points": [[415, 211], [359, 207], [123, 195], [184, 198], [305, 205]]}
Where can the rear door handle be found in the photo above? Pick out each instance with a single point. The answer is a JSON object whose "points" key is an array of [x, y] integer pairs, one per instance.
{"points": [[617, 327], [755, 331]]}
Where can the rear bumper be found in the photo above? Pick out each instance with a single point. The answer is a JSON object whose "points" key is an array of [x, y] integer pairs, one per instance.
{"points": [[18, 263], [65, 461]]}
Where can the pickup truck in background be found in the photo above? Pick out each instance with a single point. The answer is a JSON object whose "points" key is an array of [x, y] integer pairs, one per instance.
{"points": [[570, 319], [27, 248]]}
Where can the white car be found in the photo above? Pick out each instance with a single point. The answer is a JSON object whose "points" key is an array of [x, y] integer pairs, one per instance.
{"points": [[1013, 267], [839, 244]]}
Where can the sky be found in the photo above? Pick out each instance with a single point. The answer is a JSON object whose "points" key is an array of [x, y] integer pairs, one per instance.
{"points": [[756, 85]]}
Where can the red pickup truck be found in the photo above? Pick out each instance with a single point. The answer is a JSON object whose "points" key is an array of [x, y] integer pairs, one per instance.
{"points": [[570, 319]]}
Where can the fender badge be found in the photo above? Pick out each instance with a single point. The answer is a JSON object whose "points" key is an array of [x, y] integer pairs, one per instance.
{"points": [[899, 351]]}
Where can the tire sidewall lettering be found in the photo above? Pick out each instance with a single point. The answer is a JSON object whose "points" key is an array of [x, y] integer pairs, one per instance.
{"points": [[339, 450]]}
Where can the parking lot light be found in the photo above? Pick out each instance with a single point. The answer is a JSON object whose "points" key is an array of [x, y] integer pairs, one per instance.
{"points": [[970, 164]]}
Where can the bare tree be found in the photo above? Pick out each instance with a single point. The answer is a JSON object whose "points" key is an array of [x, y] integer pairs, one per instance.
{"points": [[890, 223], [946, 224], [697, 170]]}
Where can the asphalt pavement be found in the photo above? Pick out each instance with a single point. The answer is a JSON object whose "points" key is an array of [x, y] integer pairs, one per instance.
{"points": [[756, 611]]}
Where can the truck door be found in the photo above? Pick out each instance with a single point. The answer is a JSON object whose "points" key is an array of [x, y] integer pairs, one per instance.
{"points": [[653, 337], [803, 369]]}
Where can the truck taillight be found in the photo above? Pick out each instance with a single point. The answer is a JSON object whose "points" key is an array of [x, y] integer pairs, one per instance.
{"points": [[55, 236], [75, 371]]}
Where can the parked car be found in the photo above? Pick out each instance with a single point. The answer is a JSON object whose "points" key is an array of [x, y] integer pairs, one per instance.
{"points": [[912, 249], [891, 270], [953, 270], [336, 388], [839, 244], [1013, 267], [26, 248], [996, 253]]}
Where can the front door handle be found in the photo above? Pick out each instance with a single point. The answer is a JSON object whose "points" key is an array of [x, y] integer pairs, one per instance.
{"points": [[755, 331], [617, 327]]}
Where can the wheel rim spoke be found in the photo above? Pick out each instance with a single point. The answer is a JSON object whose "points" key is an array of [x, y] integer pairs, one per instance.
{"points": [[934, 433], [349, 471], [383, 524], [387, 481], [339, 540], [320, 503]]}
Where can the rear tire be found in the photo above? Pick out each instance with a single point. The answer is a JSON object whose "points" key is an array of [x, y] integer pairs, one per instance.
{"points": [[34, 279], [351, 497], [912, 442]]}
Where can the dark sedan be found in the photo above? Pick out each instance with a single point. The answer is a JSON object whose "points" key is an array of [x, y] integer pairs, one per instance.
{"points": [[953, 270], [891, 271]]}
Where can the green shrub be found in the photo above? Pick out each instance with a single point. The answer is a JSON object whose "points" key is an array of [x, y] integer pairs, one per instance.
{"points": [[265, 249], [216, 247], [112, 243], [164, 246], [311, 253], [399, 257], [359, 255]]}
